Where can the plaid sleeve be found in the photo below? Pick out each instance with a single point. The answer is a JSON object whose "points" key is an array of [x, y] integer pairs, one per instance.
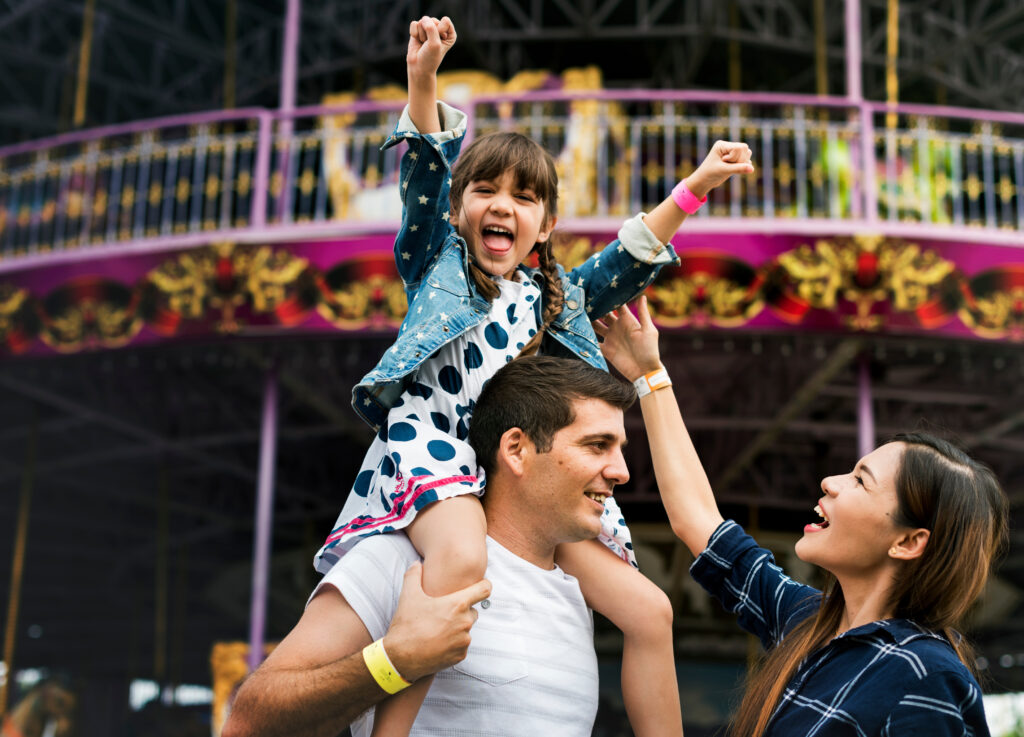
{"points": [[747, 582], [942, 704]]}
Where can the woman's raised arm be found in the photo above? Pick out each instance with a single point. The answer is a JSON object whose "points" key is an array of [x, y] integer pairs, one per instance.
{"points": [[631, 346]]}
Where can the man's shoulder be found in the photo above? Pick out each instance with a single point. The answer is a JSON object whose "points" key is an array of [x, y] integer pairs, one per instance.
{"points": [[384, 547], [378, 558]]}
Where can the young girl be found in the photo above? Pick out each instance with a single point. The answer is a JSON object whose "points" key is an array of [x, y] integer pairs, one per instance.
{"points": [[908, 537], [473, 306]]}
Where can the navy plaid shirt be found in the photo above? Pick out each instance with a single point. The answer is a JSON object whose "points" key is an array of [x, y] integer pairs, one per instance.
{"points": [[890, 677]]}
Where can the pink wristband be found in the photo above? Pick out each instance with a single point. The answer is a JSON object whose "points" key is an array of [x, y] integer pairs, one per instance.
{"points": [[686, 199]]}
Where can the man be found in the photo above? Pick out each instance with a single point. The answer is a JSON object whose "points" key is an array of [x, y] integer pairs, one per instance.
{"points": [[549, 433]]}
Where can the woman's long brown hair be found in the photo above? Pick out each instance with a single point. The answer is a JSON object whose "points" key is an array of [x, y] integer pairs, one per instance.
{"points": [[961, 503], [487, 159]]}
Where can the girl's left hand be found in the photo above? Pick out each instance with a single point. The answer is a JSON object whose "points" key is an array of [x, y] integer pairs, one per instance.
{"points": [[725, 159]]}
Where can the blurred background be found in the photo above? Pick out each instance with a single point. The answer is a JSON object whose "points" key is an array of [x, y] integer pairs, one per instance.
{"points": [[195, 269]]}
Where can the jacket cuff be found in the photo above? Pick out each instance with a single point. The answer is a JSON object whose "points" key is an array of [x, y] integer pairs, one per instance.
{"points": [[725, 546], [453, 127], [640, 243]]}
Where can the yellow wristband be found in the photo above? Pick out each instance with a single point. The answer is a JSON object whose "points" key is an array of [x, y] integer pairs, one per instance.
{"points": [[381, 668], [652, 381]]}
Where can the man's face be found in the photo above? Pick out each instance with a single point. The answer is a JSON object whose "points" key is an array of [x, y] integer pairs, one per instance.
{"points": [[566, 486]]}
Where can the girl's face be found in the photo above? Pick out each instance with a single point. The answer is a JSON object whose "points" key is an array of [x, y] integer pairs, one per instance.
{"points": [[501, 223], [858, 511]]}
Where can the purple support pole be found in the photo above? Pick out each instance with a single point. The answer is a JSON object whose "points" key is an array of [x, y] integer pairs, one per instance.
{"points": [[854, 90], [865, 408], [264, 516], [289, 69], [261, 178], [867, 162]]}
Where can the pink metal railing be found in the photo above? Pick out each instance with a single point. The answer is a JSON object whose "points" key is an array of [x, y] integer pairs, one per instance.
{"points": [[269, 174]]}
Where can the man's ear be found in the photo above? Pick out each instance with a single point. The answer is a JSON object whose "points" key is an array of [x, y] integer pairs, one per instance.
{"points": [[910, 545], [514, 450], [545, 231]]}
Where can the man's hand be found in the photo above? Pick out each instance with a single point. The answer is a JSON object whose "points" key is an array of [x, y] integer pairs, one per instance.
{"points": [[629, 344], [429, 41], [430, 633], [725, 159]]}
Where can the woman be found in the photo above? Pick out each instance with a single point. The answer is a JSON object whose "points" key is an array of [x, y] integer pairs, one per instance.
{"points": [[907, 537]]}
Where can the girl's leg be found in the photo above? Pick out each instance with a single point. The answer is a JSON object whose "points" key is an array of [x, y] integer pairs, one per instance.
{"points": [[449, 536], [643, 612]]}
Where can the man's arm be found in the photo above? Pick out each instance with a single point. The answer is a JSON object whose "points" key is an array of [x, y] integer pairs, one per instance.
{"points": [[315, 682]]}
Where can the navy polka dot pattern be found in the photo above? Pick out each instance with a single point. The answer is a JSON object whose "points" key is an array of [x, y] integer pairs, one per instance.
{"points": [[410, 462], [441, 421], [441, 450], [472, 357], [402, 432], [496, 336], [362, 484], [451, 379], [417, 389]]}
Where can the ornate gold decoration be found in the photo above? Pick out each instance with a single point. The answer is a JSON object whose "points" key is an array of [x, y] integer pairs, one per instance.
{"points": [[89, 312], [224, 277], [13, 304], [994, 303], [361, 292], [709, 288], [866, 272], [571, 252]]}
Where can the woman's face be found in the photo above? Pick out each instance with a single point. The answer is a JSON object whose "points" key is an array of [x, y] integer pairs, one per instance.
{"points": [[858, 513]]}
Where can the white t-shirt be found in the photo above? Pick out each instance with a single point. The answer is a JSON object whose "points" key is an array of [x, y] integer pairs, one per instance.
{"points": [[531, 667]]}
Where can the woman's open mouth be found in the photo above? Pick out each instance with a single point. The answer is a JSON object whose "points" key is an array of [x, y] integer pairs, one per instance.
{"points": [[822, 525]]}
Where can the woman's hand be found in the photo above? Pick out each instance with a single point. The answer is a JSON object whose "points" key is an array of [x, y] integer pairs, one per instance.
{"points": [[630, 344], [725, 159], [429, 40]]}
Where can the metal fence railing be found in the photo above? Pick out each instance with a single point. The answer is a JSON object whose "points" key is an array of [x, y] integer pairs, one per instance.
{"points": [[225, 173]]}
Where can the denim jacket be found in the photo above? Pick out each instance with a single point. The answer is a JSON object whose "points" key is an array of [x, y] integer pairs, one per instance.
{"points": [[433, 261]]}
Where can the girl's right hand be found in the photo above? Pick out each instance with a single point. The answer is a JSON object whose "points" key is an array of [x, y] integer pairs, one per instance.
{"points": [[630, 344], [429, 41]]}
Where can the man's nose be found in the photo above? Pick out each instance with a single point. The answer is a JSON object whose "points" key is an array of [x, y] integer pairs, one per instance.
{"points": [[617, 472]]}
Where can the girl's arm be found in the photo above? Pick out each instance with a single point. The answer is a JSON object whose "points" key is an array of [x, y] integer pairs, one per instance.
{"points": [[631, 345], [429, 41], [433, 132], [725, 159], [629, 264]]}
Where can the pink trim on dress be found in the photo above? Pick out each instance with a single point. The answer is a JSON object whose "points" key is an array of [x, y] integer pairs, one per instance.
{"points": [[411, 494]]}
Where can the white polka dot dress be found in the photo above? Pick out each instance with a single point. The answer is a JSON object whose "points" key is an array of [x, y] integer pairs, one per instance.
{"points": [[422, 454]]}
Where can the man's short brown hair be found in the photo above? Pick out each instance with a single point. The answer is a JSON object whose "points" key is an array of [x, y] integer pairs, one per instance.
{"points": [[536, 394]]}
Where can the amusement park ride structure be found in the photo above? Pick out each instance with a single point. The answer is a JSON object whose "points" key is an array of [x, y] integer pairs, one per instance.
{"points": [[186, 302]]}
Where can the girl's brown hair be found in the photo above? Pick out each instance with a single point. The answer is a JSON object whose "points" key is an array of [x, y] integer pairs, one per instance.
{"points": [[960, 501], [487, 159]]}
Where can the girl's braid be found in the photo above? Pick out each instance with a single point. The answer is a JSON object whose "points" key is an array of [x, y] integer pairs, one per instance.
{"points": [[554, 298]]}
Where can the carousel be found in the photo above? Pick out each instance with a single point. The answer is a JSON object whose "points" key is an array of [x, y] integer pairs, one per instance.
{"points": [[186, 303]]}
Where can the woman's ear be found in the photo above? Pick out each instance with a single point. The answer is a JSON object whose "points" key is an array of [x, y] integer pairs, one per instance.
{"points": [[514, 449], [545, 230], [911, 545]]}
